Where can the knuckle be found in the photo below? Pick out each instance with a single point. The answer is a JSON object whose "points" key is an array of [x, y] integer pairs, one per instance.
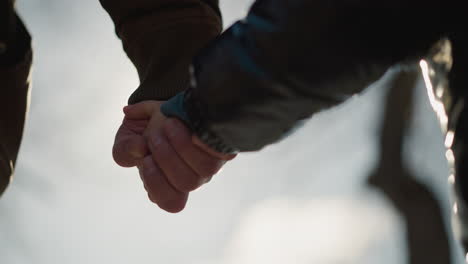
{"points": [[160, 150], [148, 168]]}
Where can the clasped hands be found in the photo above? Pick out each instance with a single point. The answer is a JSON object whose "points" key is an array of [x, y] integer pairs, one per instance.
{"points": [[171, 161]]}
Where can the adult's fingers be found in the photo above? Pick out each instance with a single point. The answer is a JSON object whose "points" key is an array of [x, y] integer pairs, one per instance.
{"points": [[128, 147], [178, 173], [180, 137], [160, 191], [141, 110]]}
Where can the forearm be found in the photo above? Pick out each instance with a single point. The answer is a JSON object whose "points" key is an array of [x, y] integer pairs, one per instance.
{"points": [[161, 37], [291, 59]]}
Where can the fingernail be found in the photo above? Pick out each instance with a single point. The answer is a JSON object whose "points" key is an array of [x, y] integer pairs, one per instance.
{"points": [[136, 155]]}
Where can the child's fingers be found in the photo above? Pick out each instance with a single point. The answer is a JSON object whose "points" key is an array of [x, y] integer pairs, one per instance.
{"points": [[141, 110]]}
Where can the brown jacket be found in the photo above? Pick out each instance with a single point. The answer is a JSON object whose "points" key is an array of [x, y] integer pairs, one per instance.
{"points": [[160, 37]]}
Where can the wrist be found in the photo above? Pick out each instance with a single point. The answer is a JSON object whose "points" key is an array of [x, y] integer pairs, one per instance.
{"points": [[175, 107], [186, 108]]}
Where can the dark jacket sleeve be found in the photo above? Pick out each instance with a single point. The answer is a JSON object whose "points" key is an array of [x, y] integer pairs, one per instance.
{"points": [[161, 37], [290, 59], [15, 66]]}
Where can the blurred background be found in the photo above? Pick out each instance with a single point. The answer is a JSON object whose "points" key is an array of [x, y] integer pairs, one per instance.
{"points": [[304, 200]]}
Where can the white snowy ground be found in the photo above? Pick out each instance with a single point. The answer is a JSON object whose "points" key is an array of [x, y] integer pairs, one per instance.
{"points": [[301, 201]]}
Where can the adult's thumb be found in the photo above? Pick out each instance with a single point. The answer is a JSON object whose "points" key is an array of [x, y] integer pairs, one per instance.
{"points": [[128, 151]]}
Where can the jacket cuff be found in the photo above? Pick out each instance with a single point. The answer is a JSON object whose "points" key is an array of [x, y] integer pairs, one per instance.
{"points": [[185, 107], [174, 107]]}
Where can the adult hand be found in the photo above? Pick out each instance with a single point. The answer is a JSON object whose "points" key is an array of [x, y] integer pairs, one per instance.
{"points": [[178, 162]]}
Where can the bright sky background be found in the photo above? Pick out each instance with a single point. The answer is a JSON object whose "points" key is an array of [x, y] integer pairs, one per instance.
{"points": [[301, 201]]}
